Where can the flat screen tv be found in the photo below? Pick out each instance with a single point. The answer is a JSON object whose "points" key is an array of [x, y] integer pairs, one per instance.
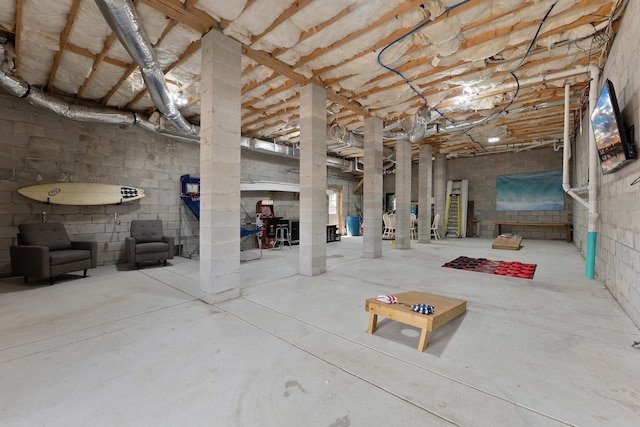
{"points": [[613, 144]]}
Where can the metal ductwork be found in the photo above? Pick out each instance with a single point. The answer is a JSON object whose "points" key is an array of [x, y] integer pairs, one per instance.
{"points": [[290, 152], [14, 85], [350, 140], [419, 128], [413, 129], [255, 144], [123, 20], [76, 112], [56, 104], [458, 127]]}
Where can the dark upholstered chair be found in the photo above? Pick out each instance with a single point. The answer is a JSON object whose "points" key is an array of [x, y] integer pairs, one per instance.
{"points": [[148, 243], [45, 250]]}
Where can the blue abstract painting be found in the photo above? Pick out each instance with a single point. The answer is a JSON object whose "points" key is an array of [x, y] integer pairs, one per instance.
{"points": [[537, 191]]}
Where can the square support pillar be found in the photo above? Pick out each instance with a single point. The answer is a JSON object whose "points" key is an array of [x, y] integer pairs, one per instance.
{"points": [[220, 168], [372, 188], [403, 194], [440, 189], [425, 186], [313, 180]]}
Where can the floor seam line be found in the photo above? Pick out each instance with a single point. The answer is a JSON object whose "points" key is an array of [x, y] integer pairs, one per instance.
{"points": [[341, 368], [85, 329], [504, 399]]}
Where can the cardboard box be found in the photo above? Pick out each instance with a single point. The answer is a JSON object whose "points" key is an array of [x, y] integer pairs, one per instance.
{"points": [[507, 242]]}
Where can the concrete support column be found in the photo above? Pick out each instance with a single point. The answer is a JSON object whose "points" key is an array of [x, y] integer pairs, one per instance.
{"points": [[403, 194], [425, 184], [313, 180], [372, 215], [220, 168], [440, 190]]}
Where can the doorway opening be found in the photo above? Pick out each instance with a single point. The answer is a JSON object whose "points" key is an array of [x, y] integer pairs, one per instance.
{"points": [[335, 209]]}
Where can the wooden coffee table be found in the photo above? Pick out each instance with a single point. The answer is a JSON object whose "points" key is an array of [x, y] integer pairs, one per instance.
{"points": [[446, 309]]}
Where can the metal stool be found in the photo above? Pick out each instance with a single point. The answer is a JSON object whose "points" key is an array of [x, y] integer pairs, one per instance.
{"points": [[282, 236]]}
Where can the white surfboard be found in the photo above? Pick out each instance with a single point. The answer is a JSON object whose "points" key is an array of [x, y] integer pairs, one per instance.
{"points": [[84, 194]]}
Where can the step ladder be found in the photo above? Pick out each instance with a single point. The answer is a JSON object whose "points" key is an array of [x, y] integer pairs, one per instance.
{"points": [[454, 217]]}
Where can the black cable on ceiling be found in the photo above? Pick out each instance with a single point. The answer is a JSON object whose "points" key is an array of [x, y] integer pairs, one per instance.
{"points": [[504, 110]]}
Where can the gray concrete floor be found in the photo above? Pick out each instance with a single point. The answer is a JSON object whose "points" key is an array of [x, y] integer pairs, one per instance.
{"points": [[137, 348]]}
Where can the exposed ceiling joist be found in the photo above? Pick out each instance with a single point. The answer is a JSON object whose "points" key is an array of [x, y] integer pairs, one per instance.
{"points": [[460, 58]]}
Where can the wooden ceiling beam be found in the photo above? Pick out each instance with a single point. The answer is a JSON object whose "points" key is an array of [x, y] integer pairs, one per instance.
{"points": [[286, 70], [185, 14], [193, 47], [18, 35], [130, 70], [405, 7], [287, 110], [133, 67], [64, 39], [316, 29], [275, 64], [83, 51], [249, 87], [97, 61], [118, 85], [266, 126], [250, 102], [351, 8], [295, 7], [190, 83], [468, 43], [445, 103]]}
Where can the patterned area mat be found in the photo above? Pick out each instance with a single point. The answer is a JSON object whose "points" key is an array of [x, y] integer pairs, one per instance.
{"points": [[503, 268]]}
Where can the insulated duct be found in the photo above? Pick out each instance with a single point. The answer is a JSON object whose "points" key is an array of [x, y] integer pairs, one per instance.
{"points": [[414, 130], [123, 20], [76, 112], [419, 128], [56, 104], [421, 119], [348, 141]]}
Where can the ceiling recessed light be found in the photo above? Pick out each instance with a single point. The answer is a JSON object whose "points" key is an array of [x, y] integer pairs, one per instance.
{"points": [[493, 139]]}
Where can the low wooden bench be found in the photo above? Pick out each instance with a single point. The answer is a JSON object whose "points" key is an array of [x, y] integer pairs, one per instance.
{"points": [[446, 309], [567, 225]]}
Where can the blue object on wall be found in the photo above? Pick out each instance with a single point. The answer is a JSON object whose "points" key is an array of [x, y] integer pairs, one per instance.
{"points": [[353, 226], [190, 193], [535, 191]]}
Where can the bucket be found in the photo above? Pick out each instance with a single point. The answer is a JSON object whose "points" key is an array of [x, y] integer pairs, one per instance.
{"points": [[353, 226]]}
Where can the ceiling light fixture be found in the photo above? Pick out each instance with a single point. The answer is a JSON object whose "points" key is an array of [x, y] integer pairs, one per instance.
{"points": [[179, 99], [493, 139]]}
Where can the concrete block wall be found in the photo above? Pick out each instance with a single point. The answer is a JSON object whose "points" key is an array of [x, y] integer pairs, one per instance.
{"points": [[41, 147], [618, 202], [482, 172], [257, 167]]}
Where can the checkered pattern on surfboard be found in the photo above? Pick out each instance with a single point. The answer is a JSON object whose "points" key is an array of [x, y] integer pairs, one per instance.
{"points": [[128, 192]]}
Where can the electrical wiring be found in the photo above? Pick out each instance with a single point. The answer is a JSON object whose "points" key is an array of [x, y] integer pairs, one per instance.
{"points": [[428, 21], [505, 109], [442, 114], [533, 41]]}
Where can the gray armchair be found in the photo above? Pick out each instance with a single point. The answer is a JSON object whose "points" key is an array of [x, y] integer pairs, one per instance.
{"points": [[45, 250], [148, 243]]}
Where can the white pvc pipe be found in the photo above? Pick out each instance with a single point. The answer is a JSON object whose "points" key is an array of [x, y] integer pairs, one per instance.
{"points": [[566, 150], [592, 235], [534, 80], [594, 73], [593, 153]]}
